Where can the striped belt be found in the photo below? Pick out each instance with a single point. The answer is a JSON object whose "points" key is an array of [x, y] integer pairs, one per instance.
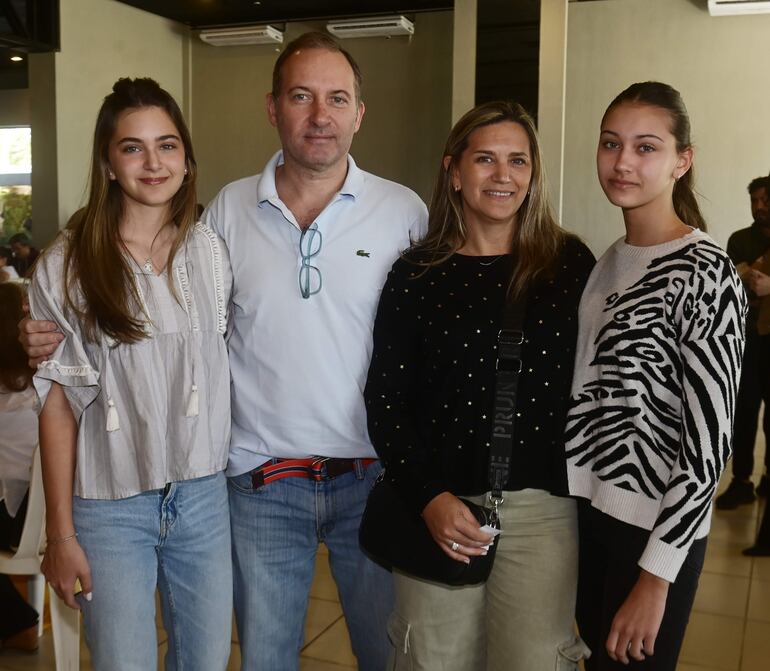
{"points": [[313, 468]]}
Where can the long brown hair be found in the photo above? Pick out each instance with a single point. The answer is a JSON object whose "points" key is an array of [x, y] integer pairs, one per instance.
{"points": [[537, 239], [15, 374], [665, 97], [96, 259]]}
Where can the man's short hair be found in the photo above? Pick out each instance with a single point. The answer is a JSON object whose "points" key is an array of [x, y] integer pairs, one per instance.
{"points": [[760, 183], [20, 239], [315, 40]]}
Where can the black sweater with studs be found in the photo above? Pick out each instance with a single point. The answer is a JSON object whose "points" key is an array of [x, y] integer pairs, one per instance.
{"points": [[430, 390]]}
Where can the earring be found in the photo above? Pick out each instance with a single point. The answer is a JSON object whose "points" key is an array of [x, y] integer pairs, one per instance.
{"points": [[456, 187], [185, 171], [111, 174]]}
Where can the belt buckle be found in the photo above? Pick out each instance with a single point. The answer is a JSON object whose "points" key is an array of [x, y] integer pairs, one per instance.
{"points": [[317, 469]]}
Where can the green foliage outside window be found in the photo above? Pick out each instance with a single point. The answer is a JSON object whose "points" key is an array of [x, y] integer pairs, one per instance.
{"points": [[15, 209]]}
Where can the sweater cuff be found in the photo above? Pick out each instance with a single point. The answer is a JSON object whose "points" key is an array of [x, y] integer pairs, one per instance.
{"points": [[662, 559], [416, 491], [422, 497]]}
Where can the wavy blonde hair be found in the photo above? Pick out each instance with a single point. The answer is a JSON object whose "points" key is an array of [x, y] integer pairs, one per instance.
{"points": [[537, 239]]}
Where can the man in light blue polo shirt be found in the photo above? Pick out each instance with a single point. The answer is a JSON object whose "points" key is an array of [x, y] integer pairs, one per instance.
{"points": [[311, 240]]}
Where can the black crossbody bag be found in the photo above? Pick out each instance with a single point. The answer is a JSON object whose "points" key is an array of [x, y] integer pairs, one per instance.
{"points": [[396, 537]]}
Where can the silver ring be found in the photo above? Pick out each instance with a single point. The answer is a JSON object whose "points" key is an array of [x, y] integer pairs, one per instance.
{"points": [[455, 545]]}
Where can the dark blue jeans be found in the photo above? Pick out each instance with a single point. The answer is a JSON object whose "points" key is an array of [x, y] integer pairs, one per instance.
{"points": [[609, 552]]}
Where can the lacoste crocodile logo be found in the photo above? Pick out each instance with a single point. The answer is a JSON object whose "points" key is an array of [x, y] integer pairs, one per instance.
{"points": [[362, 252]]}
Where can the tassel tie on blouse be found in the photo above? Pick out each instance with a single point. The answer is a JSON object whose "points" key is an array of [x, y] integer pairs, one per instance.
{"points": [[182, 276], [113, 420]]}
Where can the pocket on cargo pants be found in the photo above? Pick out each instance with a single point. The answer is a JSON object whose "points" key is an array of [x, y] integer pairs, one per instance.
{"points": [[398, 633], [569, 654]]}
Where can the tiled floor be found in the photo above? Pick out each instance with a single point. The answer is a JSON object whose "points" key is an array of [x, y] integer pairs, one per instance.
{"points": [[729, 628]]}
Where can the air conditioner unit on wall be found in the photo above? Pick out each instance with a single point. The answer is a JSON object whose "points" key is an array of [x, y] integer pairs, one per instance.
{"points": [[241, 35], [378, 26], [735, 7]]}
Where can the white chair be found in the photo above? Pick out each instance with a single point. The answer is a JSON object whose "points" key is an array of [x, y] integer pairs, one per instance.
{"points": [[65, 622]]}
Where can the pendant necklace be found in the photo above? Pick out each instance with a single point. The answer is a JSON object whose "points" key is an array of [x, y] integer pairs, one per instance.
{"points": [[489, 263]]}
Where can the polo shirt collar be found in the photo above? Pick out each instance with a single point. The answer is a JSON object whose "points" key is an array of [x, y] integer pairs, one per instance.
{"points": [[266, 190]]}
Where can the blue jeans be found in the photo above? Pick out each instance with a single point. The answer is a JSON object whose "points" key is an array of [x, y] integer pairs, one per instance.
{"points": [[176, 539], [276, 530]]}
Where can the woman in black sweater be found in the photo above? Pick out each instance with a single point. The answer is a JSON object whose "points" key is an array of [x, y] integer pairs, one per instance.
{"points": [[430, 398]]}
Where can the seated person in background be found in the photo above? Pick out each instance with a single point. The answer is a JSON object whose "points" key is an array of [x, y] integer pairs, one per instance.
{"points": [[24, 253], [18, 438], [7, 271]]}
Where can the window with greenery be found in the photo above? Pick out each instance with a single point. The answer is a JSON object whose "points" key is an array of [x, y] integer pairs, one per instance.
{"points": [[15, 188]]}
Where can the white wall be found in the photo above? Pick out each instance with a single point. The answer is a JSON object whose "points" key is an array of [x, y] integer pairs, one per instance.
{"points": [[721, 67], [101, 40]]}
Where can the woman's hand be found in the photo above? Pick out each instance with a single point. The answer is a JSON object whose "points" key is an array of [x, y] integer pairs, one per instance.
{"points": [[63, 564], [453, 525], [636, 624]]}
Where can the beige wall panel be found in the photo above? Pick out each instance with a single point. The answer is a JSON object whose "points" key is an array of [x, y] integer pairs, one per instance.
{"points": [[15, 107], [719, 64], [45, 186], [407, 92], [464, 57], [551, 88], [102, 40]]}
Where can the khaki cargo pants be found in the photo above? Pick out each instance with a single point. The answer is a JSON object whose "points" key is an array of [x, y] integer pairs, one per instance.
{"points": [[522, 619]]}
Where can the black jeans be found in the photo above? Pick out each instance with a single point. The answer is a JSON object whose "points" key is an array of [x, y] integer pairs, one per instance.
{"points": [[754, 388], [609, 552], [15, 613]]}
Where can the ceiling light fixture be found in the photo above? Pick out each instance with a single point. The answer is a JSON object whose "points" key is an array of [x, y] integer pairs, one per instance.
{"points": [[378, 26], [242, 35], [16, 59], [734, 7]]}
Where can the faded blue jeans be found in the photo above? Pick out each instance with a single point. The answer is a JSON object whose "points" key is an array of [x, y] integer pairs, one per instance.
{"points": [[276, 531], [176, 539]]}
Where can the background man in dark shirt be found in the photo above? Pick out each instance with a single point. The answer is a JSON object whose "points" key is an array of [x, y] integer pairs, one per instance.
{"points": [[746, 248]]}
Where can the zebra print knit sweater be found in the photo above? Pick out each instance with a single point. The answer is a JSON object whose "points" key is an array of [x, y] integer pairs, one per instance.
{"points": [[658, 361]]}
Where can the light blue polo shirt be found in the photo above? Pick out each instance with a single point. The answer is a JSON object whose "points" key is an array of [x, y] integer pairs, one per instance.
{"points": [[299, 365]]}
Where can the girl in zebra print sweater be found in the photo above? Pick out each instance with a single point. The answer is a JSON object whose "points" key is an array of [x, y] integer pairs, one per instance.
{"points": [[657, 367]]}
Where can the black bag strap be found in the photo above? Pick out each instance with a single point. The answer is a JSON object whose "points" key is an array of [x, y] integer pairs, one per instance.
{"points": [[510, 341]]}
